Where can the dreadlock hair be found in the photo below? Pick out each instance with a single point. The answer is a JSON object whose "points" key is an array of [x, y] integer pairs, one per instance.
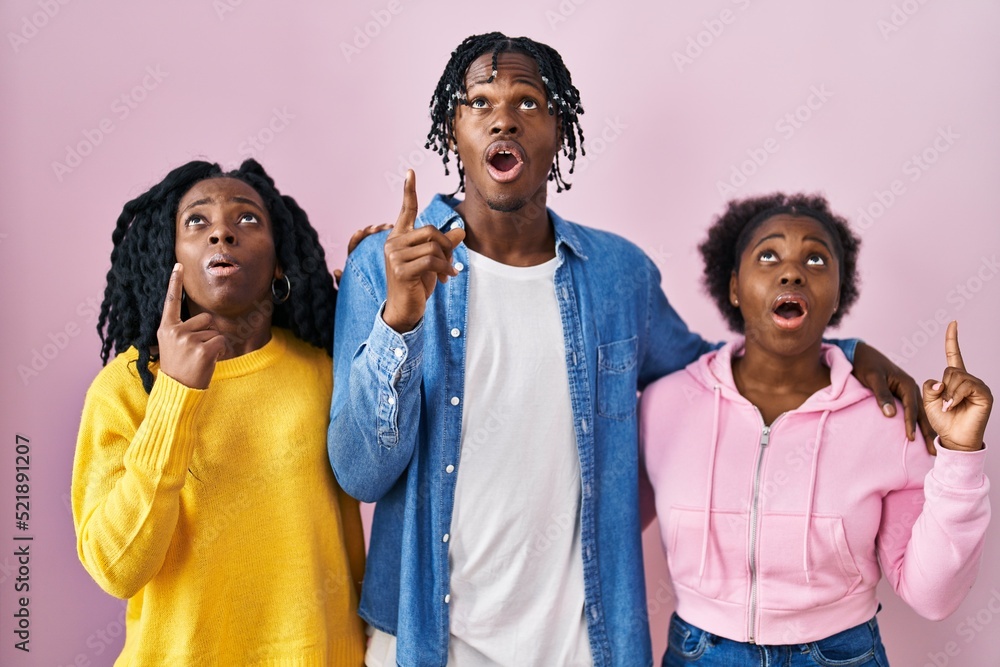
{"points": [[451, 92], [143, 258], [729, 236]]}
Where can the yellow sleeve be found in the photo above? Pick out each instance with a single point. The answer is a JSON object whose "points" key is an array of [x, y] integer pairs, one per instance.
{"points": [[354, 536], [128, 472]]}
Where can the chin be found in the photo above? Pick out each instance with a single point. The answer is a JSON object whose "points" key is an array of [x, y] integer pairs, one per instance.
{"points": [[506, 204]]}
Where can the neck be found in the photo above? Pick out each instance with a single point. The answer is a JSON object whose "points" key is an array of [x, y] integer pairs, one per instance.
{"points": [[245, 332], [524, 237], [780, 372]]}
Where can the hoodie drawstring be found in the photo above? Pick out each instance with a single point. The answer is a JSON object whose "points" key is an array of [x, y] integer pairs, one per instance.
{"points": [[708, 485], [812, 493]]}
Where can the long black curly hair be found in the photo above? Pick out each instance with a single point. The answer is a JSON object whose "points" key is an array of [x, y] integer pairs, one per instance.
{"points": [[143, 257], [731, 232], [563, 97]]}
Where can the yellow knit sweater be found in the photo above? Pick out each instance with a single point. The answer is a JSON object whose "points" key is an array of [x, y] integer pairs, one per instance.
{"points": [[215, 512]]}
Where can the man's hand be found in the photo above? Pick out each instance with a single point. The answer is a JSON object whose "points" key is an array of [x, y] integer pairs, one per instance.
{"points": [[188, 349], [886, 380], [415, 260], [958, 406]]}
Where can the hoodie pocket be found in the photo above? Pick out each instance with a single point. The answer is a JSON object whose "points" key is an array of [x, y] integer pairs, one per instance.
{"points": [[781, 575], [617, 378]]}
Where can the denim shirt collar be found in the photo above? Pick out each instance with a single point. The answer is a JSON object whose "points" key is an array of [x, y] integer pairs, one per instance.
{"points": [[441, 213]]}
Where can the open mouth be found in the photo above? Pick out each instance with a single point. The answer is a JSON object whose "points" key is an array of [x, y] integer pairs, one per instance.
{"points": [[222, 265], [789, 311], [504, 160]]}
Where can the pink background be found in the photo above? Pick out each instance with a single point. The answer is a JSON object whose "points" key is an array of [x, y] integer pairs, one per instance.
{"points": [[143, 87]]}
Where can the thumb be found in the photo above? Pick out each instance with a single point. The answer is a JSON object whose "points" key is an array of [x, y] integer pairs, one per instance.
{"points": [[456, 236], [933, 391]]}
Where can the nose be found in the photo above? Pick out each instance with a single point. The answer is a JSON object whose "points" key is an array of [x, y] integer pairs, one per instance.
{"points": [[222, 234], [504, 122], [791, 274]]}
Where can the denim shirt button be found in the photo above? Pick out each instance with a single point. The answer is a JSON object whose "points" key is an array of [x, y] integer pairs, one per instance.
{"points": [[593, 612], [583, 425], [455, 400], [447, 598], [455, 333], [449, 469], [445, 538], [391, 400], [459, 266], [398, 352]]}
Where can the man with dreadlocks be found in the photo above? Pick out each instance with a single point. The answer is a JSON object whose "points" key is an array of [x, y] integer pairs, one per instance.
{"points": [[201, 489], [493, 417]]}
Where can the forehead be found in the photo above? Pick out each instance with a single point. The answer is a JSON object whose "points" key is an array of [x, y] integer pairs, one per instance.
{"points": [[792, 227], [510, 65], [220, 189]]}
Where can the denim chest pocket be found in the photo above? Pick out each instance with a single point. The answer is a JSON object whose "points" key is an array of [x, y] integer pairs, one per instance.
{"points": [[617, 378]]}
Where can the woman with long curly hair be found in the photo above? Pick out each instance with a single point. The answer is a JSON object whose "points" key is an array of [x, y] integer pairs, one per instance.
{"points": [[201, 488]]}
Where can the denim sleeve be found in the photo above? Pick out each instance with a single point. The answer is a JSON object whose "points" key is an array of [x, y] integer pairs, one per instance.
{"points": [[670, 345], [376, 388], [847, 345]]}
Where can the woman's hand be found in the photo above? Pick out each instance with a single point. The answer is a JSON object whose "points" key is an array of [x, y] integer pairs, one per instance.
{"points": [[958, 406], [885, 379], [188, 349], [356, 238]]}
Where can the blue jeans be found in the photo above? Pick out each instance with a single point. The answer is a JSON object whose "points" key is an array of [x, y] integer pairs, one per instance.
{"points": [[860, 646]]}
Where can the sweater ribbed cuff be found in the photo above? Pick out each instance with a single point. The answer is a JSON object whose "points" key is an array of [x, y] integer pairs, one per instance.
{"points": [[165, 438], [959, 470]]}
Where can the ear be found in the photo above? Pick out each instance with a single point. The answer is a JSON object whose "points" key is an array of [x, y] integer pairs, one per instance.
{"points": [[734, 288], [279, 273]]}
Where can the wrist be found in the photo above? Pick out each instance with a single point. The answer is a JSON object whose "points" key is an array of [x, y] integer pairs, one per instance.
{"points": [[947, 443], [396, 322]]}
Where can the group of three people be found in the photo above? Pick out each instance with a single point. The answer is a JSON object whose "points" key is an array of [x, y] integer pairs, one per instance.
{"points": [[487, 358]]}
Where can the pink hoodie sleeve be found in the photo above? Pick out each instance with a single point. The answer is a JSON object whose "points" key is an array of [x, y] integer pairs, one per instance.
{"points": [[931, 537]]}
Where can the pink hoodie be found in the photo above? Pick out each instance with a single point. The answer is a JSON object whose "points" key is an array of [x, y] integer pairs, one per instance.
{"points": [[775, 535]]}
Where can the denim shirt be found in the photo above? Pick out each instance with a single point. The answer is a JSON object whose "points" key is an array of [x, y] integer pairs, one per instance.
{"points": [[395, 429]]}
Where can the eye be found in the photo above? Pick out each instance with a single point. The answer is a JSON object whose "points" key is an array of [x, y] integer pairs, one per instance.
{"points": [[478, 103], [816, 260], [529, 104], [249, 218], [768, 257], [194, 220]]}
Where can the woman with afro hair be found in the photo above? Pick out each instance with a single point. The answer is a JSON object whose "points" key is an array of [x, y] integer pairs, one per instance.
{"points": [[201, 488], [783, 494]]}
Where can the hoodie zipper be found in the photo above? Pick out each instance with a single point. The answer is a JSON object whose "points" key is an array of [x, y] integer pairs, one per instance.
{"points": [[765, 438]]}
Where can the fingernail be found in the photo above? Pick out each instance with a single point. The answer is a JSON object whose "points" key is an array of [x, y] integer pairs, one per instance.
{"points": [[887, 409], [946, 405], [937, 386]]}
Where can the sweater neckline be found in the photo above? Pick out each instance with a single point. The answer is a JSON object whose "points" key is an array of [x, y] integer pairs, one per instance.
{"points": [[245, 364]]}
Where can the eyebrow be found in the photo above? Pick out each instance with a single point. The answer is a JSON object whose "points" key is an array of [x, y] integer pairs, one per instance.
{"points": [[806, 238]]}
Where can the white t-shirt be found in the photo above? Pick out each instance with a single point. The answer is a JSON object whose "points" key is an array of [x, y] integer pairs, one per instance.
{"points": [[517, 594]]}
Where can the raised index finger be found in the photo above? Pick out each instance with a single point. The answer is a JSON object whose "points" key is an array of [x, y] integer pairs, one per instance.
{"points": [[408, 213], [172, 302], [951, 351]]}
